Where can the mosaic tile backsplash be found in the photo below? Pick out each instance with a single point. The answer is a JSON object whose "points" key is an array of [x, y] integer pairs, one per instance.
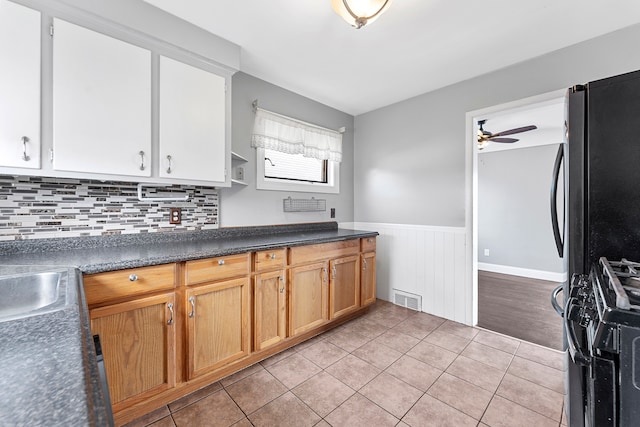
{"points": [[32, 208]]}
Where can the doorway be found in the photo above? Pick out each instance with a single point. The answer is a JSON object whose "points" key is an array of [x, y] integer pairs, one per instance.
{"points": [[515, 264]]}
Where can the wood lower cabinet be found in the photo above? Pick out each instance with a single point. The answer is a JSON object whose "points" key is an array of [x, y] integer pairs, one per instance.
{"points": [[168, 330], [308, 297], [217, 325], [269, 309], [368, 278], [344, 286], [138, 343]]}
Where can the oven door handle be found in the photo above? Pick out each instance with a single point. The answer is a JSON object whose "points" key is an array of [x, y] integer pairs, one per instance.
{"points": [[576, 353], [554, 300]]}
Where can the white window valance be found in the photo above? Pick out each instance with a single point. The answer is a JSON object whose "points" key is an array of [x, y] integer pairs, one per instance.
{"points": [[280, 133]]}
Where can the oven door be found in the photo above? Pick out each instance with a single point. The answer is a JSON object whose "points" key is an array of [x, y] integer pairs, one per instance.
{"points": [[601, 396], [598, 371]]}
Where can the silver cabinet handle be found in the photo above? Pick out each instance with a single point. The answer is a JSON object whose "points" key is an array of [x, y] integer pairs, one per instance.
{"points": [[221, 262], [364, 264], [273, 256], [169, 168], [192, 300], [369, 240], [282, 288], [170, 307], [24, 140], [133, 277], [333, 272], [324, 274], [141, 154]]}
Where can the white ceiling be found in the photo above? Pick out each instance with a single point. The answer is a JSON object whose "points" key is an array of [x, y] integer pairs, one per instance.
{"points": [[548, 116], [415, 47]]}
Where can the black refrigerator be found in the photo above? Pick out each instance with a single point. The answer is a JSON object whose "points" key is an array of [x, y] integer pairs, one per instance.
{"points": [[601, 167]]}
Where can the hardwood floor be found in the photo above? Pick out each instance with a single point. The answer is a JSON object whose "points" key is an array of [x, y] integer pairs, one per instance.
{"points": [[519, 307]]}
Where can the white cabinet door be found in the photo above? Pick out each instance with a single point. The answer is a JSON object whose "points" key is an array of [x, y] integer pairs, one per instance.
{"points": [[19, 86], [192, 123], [101, 103]]}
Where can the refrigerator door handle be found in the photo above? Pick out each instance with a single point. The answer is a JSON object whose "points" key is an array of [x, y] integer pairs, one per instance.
{"points": [[554, 204]]}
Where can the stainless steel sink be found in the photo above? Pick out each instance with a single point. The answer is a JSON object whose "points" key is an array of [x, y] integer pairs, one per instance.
{"points": [[30, 294]]}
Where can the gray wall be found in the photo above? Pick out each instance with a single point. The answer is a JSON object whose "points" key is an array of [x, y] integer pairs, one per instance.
{"points": [[240, 205], [410, 156], [513, 208]]}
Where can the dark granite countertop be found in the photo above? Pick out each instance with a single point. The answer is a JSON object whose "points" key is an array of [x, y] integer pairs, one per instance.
{"points": [[95, 255], [48, 367]]}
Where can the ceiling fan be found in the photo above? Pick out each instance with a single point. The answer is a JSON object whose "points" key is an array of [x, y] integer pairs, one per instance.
{"points": [[484, 136]]}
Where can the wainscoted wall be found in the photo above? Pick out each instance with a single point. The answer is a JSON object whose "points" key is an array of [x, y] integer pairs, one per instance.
{"points": [[424, 260], [32, 208]]}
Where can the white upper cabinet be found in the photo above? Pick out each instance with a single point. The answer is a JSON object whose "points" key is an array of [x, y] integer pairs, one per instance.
{"points": [[192, 144], [19, 86], [101, 103]]}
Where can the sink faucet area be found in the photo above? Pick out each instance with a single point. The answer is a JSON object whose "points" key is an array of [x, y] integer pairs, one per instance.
{"points": [[46, 346], [26, 295], [31, 293]]}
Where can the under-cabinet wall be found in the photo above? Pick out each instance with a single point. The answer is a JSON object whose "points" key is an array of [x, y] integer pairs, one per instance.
{"points": [[245, 205], [34, 208]]}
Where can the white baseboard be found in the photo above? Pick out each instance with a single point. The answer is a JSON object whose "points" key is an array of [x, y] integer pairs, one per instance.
{"points": [[523, 272]]}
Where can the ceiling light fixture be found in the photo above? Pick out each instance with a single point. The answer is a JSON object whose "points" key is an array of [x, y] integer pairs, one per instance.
{"points": [[358, 13]]}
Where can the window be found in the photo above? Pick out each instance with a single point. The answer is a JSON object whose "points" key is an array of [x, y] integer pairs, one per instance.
{"points": [[293, 172], [295, 156], [294, 167]]}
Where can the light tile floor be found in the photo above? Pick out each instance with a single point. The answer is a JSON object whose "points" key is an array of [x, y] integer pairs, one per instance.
{"points": [[390, 367]]}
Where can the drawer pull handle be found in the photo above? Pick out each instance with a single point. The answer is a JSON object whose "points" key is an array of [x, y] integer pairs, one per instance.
{"points": [[273, 256], [282, 288], [133, 277], [192, 300], [221, 262], [369, 240], [170, 307]]}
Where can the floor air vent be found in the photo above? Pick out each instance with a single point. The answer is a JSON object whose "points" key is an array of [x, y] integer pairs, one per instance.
{"points": [[405, 299]]}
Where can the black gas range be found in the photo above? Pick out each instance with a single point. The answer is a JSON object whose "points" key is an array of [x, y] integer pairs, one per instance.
{"points": [[602, 321]]}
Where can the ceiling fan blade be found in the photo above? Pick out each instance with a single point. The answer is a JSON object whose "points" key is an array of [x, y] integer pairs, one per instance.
{"points": [[503, 139], [516, 130]]}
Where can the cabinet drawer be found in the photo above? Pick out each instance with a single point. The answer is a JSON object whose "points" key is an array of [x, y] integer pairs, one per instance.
{"points": [[268, 260], [367, 244], [212, 269], [310, 253], [114, 285]]}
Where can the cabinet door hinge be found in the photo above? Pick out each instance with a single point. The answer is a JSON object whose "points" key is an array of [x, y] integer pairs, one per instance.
{"points": [[51, 155], [51, 30]]}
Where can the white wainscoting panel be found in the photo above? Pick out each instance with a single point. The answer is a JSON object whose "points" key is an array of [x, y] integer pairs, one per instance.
{"points": [[425, 260]]}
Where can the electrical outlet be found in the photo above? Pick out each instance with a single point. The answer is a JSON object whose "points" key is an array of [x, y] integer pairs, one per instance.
{"points": [[175, 216], [333, 212], [486, 252]]}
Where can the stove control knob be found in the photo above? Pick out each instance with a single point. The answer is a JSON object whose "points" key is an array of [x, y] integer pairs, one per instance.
{"points": [[584, 317]]}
